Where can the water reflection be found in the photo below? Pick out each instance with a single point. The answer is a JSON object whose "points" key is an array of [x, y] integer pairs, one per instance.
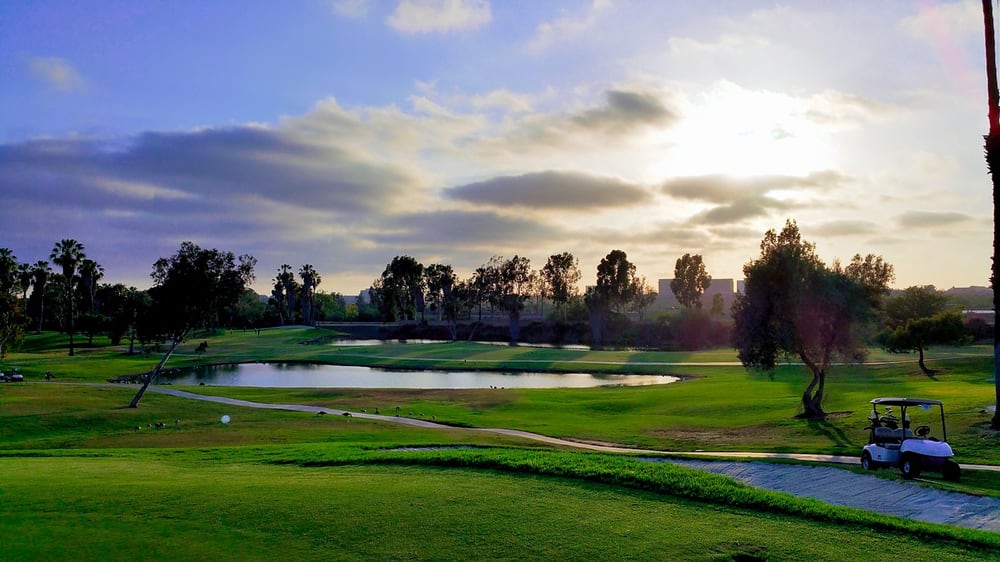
{"points": [[288, 375], [357, 343]]}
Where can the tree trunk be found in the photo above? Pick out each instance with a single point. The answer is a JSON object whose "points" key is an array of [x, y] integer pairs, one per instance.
{"points": [[923, 367], [993, 165], [156, 371], [812, 402], [514, 324], [41, 313]]}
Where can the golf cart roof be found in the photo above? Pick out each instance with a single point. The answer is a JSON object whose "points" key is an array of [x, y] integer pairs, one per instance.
{"points": [[906, 401]]}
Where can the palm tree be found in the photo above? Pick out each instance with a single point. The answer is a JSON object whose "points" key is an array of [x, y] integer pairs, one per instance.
{"points": [[91, 273], [67, 254], [310, 280], [993, 165], [40, 278], [24, 279]]}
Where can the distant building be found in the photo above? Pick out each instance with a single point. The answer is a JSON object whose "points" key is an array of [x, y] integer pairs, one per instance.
{"points": [[727, 288]]}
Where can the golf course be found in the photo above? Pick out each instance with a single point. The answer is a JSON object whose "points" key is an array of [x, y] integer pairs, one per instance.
{"points": [[85, 477]]}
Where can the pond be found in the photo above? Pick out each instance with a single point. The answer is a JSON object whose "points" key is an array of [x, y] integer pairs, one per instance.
{"points": [[290, 375], [368, 342]]}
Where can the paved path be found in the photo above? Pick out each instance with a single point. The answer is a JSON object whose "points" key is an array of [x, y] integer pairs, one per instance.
{"points": [[842, 487], [830, 485]]}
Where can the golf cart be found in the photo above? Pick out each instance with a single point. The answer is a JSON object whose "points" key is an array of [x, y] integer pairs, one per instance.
{"points": [[892, 442]]}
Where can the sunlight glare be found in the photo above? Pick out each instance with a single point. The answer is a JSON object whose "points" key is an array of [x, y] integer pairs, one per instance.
{"points": [[739, 132]]}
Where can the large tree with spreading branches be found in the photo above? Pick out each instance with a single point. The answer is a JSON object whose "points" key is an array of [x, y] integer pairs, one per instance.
{"points": [[793, 304]]}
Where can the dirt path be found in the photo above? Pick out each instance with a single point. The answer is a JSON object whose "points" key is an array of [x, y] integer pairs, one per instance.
{"points": [[830, 485]]}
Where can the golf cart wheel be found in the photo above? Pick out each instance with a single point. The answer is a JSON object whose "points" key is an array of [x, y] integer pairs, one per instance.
{"points": [[909, 467], [952, 471], [867, 463]]}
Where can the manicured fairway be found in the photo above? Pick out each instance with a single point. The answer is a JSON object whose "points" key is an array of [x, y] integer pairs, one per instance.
{"points": [[84, 477], [148, 508]]}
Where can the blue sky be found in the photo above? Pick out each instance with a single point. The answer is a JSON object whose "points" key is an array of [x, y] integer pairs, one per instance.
{"points": [[343, 133]]}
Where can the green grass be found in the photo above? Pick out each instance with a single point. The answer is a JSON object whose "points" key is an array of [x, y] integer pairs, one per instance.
{"points": [[720, 408], [323, 502], [75, 470]]}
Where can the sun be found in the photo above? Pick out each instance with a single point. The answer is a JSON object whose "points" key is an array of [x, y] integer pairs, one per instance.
{"points": [[738, 132]]}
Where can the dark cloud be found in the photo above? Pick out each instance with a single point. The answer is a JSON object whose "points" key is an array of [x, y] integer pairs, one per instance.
{"points": [[719, 188], [732, 213], [932, 219], [844, 228], [624, 111], [465, 229], [741, 198], [552, 190]]}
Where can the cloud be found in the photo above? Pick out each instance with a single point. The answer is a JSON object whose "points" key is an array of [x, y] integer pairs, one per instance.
{"points": [[624, 111], [352, 9], [56, 72], [742, 198], [489, 230], [845, 228], [568, 27], [571, 191], [439, 16], [717, 188], [841, 110], [932, 219]]}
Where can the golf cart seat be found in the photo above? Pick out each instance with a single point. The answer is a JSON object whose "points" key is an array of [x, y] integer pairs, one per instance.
{"points": [[887, 436]]}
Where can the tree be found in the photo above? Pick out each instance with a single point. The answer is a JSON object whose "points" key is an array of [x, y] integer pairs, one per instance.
{"points": [[992, 149], [310, 280], [91, 273], [515, 279], [40, 274], [794, 304], [644, 297], [438, 279], [194, 288], [67, 254], [11, 313], [562, 273], [286, 278], [249, 309], [690, 280], [398, 293], [616, 280], [918, 318]]}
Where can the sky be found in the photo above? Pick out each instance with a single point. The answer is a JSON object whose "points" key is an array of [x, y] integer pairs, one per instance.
{"points": [[342, 133]]}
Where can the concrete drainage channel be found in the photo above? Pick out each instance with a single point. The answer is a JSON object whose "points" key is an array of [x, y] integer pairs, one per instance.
{"points": [[845, 488]]}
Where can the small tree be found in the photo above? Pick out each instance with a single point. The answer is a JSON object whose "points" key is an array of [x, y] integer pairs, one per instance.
{"points": [[794, 304], [690, 280], [918, 318], [643, 298], [193, 288], [562, 273]]}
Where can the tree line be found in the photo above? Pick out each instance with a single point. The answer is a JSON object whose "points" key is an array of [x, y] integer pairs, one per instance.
{"points": [[793, 304]]}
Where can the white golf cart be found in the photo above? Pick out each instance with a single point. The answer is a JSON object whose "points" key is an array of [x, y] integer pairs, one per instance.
{"points": [[891, 442]]}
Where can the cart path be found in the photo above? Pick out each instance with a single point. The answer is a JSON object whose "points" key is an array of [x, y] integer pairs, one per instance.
{"points": [[862, 491], [827, 484]]}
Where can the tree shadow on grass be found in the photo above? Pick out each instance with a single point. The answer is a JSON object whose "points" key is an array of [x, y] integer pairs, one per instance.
{"points": [[831, 432]]}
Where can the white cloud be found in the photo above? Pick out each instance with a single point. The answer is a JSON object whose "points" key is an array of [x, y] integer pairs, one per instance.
{"points": [[56, 72], [352, 9], [938, 22], [439, 16], [568, 27]]}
